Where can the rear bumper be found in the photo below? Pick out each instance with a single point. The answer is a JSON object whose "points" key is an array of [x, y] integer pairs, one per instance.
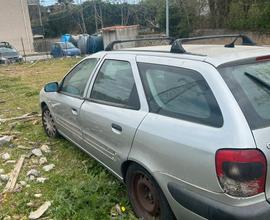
{"points": [[214, 210]]}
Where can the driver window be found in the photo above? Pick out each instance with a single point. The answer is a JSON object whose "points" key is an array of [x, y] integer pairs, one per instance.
{"points": [[75, 82]]}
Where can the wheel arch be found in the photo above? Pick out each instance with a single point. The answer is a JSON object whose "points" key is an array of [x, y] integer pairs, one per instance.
{"points": [[124, 168], [43, 105], [127, 163]]}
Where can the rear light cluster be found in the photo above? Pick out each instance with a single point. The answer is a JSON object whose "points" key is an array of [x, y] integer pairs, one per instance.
{"points": [[241, 173], [263, 58]]}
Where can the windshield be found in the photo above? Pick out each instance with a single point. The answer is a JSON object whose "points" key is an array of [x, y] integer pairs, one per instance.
{"points": [[250, 84], [67, 45], [4, 50]]}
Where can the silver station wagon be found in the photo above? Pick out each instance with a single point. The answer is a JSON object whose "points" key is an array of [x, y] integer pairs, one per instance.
{"points": [[186, 127]]}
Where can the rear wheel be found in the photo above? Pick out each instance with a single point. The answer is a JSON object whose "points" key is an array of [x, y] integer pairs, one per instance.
{"points": [[146, 197], [48, 123]]}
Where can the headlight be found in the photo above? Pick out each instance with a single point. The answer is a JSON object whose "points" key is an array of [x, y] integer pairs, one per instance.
{"points": [[20, 57]]}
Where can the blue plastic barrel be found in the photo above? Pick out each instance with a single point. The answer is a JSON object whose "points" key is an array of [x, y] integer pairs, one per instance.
{"points": [[95, 44]]}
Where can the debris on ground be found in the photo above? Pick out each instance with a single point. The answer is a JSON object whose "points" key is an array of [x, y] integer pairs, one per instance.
{"points": [[10, 161], [42, 160], [5, 156], [37, 195], [14, 175], [4, 177], [41, 179], [35, 122], [40, 211], [37, 152], [2, 101], [33, 172], [17, 188], [31, 177], [117, 211], [2, 171], [34, 161], [30, 204], [12, 145], [23, 183], [23, 147], [45, 148], [5, 139], [49, 167], [25, 117]]}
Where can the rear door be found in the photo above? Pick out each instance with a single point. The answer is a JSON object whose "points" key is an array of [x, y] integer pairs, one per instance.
{"points": [[113, 110], [67, 102]]}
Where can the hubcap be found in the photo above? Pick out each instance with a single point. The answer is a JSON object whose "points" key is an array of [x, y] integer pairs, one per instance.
{"points": [[48, 123], [146, 196]]}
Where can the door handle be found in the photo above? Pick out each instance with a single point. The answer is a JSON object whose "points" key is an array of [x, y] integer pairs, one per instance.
{"points": [[116, 128], [74, 111]]}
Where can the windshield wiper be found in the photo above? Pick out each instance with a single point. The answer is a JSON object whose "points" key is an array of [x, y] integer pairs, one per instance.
{"points": [[258, 80]]}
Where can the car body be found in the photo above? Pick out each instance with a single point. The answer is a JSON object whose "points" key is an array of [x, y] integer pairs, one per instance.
{"points": [[62, 49], [183, 124], [8, 54]]}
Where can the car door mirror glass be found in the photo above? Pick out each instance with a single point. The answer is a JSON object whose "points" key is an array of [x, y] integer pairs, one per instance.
{"points": [[51, 87]]}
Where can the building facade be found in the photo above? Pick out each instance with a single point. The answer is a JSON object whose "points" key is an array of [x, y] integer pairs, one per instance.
{"points": [[15, 26]]}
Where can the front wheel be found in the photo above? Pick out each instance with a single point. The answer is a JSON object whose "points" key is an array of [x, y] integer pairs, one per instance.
{"points": [[145, 196], [48, 123]]}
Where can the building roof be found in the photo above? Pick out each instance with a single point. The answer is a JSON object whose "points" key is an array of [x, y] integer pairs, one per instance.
{"points": [[118, 27]]}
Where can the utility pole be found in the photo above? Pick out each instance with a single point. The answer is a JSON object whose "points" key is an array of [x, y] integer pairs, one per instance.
{"points": [[40, 19], [82, 17], [96, 19], [98, 15], [167, 19]]}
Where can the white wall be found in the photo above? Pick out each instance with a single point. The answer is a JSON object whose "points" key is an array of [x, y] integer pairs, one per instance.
{"points": [[15, 24], [120, 33]]}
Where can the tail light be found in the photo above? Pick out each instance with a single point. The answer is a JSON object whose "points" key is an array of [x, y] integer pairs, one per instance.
{"points": [[263, 58], [241, 173]]}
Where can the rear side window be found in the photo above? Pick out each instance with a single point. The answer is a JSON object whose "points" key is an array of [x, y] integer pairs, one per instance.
{"points": [[250, 85], [115, 85], [180, 93]]}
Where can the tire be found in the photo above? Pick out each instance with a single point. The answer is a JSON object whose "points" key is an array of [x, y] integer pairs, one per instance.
{"points": [[146, 197], [48, 123]]}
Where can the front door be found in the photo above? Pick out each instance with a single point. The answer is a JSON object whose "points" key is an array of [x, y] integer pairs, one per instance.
{"points": [[67, 102]]}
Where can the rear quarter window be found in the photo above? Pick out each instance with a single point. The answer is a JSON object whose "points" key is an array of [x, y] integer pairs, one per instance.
{"points": [[180, 93], [250, 85]]}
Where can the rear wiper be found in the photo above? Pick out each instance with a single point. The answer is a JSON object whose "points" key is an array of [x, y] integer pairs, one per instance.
{"points": [[258, 80]]}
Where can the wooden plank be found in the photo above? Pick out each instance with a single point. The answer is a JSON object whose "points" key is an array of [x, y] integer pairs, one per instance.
{"points": [[28, 116], [14, 176]]}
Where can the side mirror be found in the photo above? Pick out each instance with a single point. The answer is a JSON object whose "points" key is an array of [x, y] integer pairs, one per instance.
{"points": [[51, 87]]}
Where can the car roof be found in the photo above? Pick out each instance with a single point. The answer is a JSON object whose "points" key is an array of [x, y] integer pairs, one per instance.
{"points": [[216, 55]]}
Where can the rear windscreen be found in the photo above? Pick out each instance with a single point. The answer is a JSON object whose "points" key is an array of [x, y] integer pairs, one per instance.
{"points": [[250, 85]]}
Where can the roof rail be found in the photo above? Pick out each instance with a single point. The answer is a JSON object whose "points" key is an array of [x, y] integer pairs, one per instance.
{"points": [[111, 45], [178, 48]]}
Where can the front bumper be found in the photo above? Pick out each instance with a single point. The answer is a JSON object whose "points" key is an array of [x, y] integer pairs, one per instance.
{"points": [[214, 210]]}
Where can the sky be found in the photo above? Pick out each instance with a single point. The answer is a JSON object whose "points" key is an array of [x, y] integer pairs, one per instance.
{"points": [[51, 2]]}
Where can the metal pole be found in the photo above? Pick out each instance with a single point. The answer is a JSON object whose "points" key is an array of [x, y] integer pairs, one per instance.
{"points": [[40, 18], [167, 19], [82, 16], [23, 49]]}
